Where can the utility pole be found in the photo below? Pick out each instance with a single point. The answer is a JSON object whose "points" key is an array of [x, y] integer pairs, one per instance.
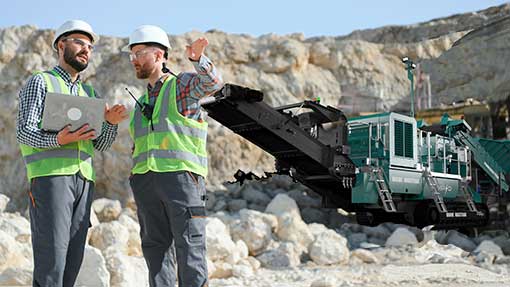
{"points": [[410, 66]]}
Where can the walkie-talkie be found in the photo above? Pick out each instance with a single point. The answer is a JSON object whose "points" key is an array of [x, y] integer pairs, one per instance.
{"points": [[146, 109]]}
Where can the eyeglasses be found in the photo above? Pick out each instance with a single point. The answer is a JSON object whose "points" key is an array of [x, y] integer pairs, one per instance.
{"points": [[135, 56], [80, 43]]}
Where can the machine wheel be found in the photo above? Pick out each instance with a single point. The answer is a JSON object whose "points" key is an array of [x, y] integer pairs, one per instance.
{"points": [[365, 218], [425, 213]]}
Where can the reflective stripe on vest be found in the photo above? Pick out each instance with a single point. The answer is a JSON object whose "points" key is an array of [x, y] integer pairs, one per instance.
{"points": [[176, 143], [177, 154], [66, 160], [57, 153]]}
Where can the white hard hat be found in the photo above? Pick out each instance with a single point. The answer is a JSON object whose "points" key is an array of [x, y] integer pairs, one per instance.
{"points": [[74, 26], [147, 34]]}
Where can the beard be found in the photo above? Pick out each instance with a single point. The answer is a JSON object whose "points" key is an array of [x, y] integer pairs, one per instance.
{"points": [[143, 72], [71, 60]]}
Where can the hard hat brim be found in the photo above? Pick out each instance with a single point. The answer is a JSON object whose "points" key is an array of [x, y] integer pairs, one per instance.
{"points": [[94, 36], [126, 48]]}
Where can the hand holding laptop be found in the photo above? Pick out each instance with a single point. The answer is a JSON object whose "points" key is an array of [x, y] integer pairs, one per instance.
{"points": [[113, 115], [65, 136]]}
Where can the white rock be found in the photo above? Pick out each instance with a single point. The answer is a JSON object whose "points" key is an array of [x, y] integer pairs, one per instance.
{"points": [[94, 221], [329, 248], [107, 209], [108, 234], [488, 247], [269, 219], [225, 217], [368, 245], [400, 237], [286, 255], [487, 252], [11, 255], [134, 241], [15, 225], [293, 229], [316, 229], [21, 276], [223, 270], [125, 271], [130, 211], [242, 271], [325, 282], [210, 267], [250, 261], [25, 249], [93, 271], [433, 252], [4, 200], [254, 228], [240, 252], [281, 204], [463, 274], [219, 243], [365, 255]]}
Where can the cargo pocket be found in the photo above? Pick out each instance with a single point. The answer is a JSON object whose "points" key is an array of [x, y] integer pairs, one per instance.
{"points": [[200, 185], [196, 228]]}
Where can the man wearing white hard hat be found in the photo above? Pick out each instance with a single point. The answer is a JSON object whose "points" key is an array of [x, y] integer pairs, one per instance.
{"points": [[170, 158], [59, 164]]}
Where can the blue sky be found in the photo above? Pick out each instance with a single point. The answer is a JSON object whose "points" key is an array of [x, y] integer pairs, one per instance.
{"points": [[313, 18]]}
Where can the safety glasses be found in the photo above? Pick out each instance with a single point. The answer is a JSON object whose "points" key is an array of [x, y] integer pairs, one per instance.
{"points": [[80, 42], [137, 55]]}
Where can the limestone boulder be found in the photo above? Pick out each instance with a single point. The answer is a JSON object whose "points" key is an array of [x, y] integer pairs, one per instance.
{"points": [[329, 248], [107, 209], [108, 234], [255, 229], [93, 271]]}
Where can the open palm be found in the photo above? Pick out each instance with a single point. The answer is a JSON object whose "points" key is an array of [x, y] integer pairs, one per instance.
{"points": [[196, 49]]}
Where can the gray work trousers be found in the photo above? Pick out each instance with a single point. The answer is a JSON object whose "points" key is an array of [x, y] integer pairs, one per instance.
{"points": [[59, 220], [171, 212]]}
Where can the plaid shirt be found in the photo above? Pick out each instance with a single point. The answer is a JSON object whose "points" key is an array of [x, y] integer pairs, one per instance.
{"points": [[31, 105], [191, 87]]}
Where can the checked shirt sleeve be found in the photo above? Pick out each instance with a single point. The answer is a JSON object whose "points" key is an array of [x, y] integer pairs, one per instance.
{"points": [[204, 82], [31, 100]]}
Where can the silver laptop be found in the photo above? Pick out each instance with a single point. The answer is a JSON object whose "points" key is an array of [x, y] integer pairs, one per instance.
{"points": [[61, 110]]}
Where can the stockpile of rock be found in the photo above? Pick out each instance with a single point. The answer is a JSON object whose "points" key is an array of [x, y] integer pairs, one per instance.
{"points": [[249, 247]]}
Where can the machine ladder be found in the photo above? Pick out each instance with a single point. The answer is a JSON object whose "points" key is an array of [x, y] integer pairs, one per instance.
{"points": [[383, 190], [434, 188]]}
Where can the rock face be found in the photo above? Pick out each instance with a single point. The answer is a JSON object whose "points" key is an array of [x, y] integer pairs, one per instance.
{"points": [[362, 70], [473, 68]]}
